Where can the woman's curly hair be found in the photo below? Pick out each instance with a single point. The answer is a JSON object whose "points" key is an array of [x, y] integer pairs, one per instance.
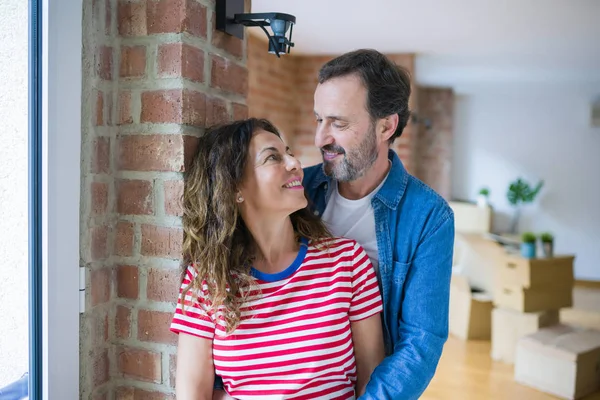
{"points": [[217, 242]]}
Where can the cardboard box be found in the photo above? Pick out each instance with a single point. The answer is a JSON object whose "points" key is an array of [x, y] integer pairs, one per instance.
{"points": [[470, 311], [537, 273], [508, 326], [581, 318], [560, 360], [478, 257], [586, 309], [470, 218], [532, 300]]}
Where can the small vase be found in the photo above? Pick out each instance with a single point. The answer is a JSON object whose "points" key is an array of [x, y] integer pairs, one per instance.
{"points": [[548, 248], [528, 250], [482, 201]]}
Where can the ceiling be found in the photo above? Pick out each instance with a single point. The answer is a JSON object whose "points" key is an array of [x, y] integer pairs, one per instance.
{"points": [[459, 40]]}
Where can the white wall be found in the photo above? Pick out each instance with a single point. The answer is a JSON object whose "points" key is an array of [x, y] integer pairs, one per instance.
{"points": [[14, 346], [537, 131]]}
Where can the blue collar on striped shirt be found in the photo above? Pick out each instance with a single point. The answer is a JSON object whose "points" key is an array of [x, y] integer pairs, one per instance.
{"points": [[286, 273]]}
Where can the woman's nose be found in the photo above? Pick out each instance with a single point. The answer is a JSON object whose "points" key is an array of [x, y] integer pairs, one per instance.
{"points": [[293, 163]]}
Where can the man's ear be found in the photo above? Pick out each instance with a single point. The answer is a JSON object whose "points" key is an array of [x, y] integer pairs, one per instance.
{"points": [[388, 126]]}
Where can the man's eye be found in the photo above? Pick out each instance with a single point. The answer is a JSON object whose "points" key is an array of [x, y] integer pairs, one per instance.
{"points": [[338, 126]]}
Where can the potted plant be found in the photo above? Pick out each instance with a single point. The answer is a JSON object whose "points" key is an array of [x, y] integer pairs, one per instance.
{"points": [[519, 193], [482, 199], [528, 240], [547, 239]]}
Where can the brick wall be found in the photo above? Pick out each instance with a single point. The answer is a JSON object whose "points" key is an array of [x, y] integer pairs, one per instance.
{"points": [[272, 86], [282, 90], [434, 147], [155, 75]]}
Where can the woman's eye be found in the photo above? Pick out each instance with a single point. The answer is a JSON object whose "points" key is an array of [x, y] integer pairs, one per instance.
{"points": [[272, 157]]}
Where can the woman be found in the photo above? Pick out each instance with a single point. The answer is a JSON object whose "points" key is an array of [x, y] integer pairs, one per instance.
{"points": [[269, 301]]}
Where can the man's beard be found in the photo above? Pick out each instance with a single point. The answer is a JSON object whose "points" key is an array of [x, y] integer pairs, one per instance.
{"points": [[355, 162]]}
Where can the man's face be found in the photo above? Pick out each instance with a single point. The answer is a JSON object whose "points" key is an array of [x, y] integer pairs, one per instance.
{"points": [[345, 133]]}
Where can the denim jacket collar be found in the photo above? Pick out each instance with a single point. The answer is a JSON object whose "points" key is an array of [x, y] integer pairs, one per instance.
{"points": [[392, 190]]}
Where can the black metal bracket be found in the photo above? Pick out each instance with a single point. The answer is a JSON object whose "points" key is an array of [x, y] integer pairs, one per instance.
{"points": [[231, 19]]}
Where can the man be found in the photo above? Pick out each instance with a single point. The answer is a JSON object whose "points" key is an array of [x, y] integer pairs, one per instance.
{"points": [[363, 192]]}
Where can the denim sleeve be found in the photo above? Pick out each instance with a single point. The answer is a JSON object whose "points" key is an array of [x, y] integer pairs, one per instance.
{"points": [[423, 324], [218, 385]]}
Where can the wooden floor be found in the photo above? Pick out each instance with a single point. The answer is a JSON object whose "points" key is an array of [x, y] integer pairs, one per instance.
{"points": [[467, 372]]}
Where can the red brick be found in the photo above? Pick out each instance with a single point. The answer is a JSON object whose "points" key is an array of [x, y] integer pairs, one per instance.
{"points": [[128, 282], [100, 156], [99, 242], [176, 16], [231, 44], [162, 106], [158, 241], [216, 111], [130, 393], [99, 328], [99, 120], [153, 326], [101, 396], [99, 197], [190, 149], [139, 364], [174, 106], [107, 18], [132, 18], [169, 59], [173, 200], [125, 114], [163, 285], [135, 197], [104, 62], [180, 59], [165, 16], [100, 365], [124, 239], [133, 61], [195, 20], [100, 285], [172, 369], [109, 112], [123, 322], [151, 153], [240, 111], [229, 76], [194, 108]]}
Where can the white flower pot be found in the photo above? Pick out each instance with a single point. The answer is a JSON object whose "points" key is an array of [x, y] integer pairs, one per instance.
{"points": [[482, 201]]}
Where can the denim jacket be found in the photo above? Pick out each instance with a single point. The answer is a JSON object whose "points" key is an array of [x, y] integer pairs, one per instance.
{"points": [[415, 241]]}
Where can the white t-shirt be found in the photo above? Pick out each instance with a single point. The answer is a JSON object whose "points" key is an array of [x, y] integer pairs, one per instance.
{"points": [[353, 219]]}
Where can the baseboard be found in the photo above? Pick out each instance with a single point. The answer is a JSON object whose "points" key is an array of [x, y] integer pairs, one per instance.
{"points": [[587, 284]]}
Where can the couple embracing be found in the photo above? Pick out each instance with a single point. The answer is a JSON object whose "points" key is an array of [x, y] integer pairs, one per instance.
{"points": [[330, 282]]}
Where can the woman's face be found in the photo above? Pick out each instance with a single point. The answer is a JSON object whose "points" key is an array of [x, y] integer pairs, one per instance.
{"points": [[272, 182]]}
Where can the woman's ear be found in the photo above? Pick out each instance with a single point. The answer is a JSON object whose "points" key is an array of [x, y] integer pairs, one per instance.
{"points": [[239, 198]]}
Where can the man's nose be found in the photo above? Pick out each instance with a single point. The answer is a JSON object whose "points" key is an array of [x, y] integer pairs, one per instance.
{"points": [[322, 136]]}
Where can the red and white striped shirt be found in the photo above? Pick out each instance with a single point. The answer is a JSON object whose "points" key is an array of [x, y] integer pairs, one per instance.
{"points": [[294, 339]]}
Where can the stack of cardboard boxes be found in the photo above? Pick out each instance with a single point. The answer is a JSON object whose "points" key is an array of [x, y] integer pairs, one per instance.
{"points": [[528, 295], [519, 304]]}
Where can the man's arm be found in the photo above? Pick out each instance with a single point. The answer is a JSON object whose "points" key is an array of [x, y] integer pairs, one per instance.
{"points": [[424, 321]]}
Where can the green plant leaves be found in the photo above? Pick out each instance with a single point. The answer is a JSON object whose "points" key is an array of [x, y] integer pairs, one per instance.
{"points": [[520, 191]]}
